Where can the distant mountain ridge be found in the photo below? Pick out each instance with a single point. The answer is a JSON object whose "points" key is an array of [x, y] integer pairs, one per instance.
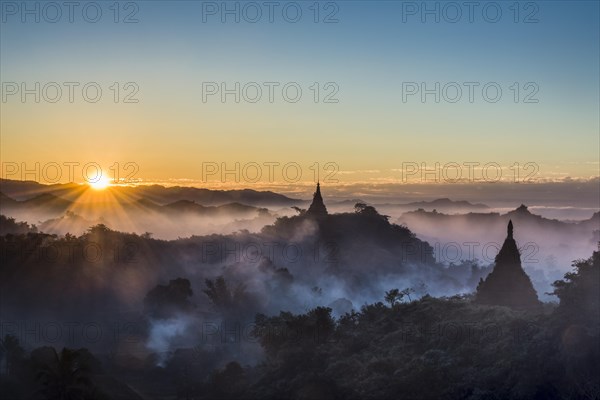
{"points": [[446, 202], [521, 214], [23, 190], [442, 204], [541, 236], [38, 205], [52, 214], [51, 203]]}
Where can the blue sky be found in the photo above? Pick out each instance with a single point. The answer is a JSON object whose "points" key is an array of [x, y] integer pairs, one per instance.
{"points": [[368, 53]]}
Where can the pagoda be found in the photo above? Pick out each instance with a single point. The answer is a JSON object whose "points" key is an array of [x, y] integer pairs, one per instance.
{"points": [[508, 284], [317, 207]]}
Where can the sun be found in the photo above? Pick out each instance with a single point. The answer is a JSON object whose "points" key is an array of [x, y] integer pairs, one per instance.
{"points": [[101, 183]]}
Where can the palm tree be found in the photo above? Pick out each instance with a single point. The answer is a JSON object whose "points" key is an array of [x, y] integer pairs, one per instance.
{"points": [[11, 350], [67, 378]]}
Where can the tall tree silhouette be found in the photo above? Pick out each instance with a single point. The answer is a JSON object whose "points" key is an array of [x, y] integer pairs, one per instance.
{"points": [[66, 377], [164, 300], [11, 350], [222, 297]]}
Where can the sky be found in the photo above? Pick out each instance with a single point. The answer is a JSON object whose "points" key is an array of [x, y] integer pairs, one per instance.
{"points": [[362, 68]]}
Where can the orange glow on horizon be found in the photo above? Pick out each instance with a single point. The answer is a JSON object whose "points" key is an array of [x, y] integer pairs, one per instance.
{"points": [[101, 183]]}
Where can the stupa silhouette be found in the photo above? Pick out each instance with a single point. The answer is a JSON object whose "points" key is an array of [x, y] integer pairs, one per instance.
{"points": [[317, 207], [508, 284]]}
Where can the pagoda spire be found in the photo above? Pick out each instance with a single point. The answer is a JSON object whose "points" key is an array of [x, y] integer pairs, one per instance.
{"points": [[317, 207], [508, 284]]}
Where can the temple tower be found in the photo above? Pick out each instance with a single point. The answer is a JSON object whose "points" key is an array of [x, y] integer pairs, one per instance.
{"points": [[508, 284], [317, 207]]}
